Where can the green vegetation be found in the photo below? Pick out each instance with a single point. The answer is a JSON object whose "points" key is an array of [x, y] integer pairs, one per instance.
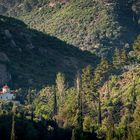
{"points": [[98, 26], [90, 109], [101, 105], [66, 93], [136, 48]]}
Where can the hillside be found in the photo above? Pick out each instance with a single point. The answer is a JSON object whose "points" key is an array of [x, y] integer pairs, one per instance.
{"points": [[29, 58], [73, 67], [90, 25], [121, 94]]}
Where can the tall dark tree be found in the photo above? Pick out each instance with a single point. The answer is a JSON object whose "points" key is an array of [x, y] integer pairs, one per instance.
{"points": [[135, 125], [55, 106], [110, 125], [60, 85], [133, 93], [13, 136], [101, 74], [99, 110], [88, 86], [79, 101], [136, 48]]}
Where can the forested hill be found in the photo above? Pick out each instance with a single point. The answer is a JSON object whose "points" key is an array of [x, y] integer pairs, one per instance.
{"points": [[29, 58], [61, 91], [95, 25], [104, 104]]}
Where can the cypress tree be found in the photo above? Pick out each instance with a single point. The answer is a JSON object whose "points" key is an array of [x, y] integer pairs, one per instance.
{"points": [[13, 137], [133, 93], [55, 104], [60, 85], [136, 48], [101, 74], [88, 86], [99, 110], [108, 91], [79, 100]]}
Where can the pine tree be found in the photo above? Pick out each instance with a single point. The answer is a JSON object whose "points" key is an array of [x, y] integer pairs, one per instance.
{"points": [[129, 133], [116, 58], [136, 123], [133, 93], [123, 57], [60, 85], [108, 91], [136, 47], [88, 86], [101, 74], [79, 100], [55, 104], [110, 126]]}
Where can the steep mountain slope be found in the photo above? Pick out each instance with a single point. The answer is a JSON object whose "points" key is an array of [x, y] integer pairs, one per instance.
{"points": [[98, 25], [31, 58]]}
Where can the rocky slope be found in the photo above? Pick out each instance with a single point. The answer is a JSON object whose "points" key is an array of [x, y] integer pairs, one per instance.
{"points": [[98, 25], [29, 58]]}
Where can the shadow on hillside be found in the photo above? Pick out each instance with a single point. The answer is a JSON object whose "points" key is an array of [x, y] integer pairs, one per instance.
{"points": [[36, 58], [30, 130], [129, 19]]}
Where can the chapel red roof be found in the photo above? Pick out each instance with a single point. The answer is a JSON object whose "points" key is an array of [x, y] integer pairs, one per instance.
{"points": [[6, 87]]}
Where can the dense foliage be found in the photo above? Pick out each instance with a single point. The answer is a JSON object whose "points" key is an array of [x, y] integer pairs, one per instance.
{"points": [[103, 104], [66, 93], [95, 25]]}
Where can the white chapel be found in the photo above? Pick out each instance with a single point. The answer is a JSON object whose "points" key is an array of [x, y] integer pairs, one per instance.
{"points": [[6, 93]]}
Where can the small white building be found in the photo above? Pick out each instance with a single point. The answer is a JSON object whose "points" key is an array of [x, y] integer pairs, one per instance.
{"points": [[6, 94]]}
